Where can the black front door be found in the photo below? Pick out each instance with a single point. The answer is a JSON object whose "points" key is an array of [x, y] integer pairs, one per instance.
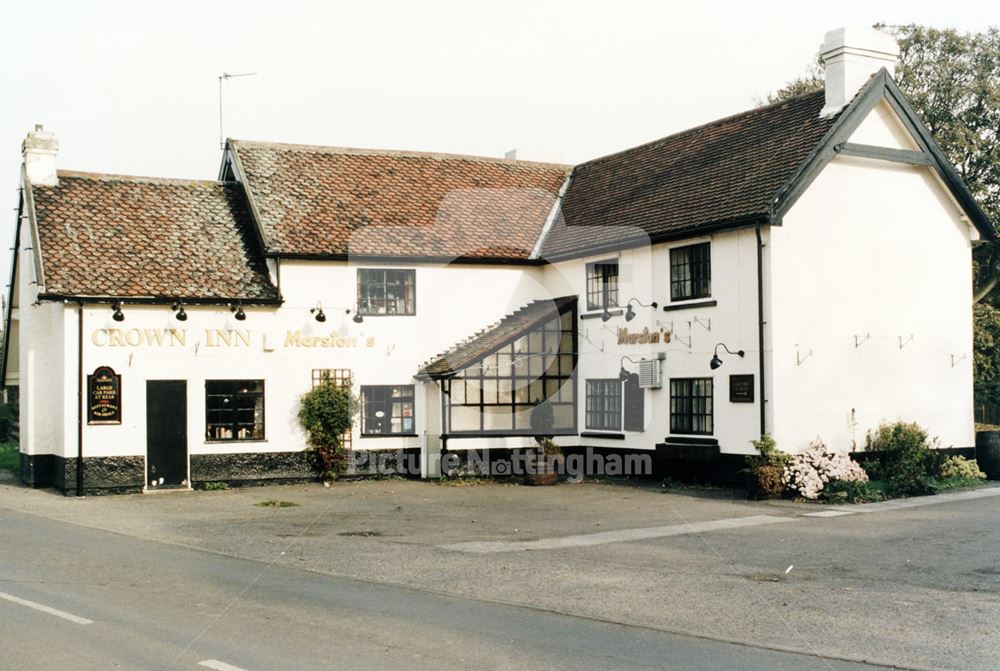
{"points": [[166, 434]]}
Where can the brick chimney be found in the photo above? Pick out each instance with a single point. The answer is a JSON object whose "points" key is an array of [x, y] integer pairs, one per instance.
{"points": [[39, 150], [851, 56]]}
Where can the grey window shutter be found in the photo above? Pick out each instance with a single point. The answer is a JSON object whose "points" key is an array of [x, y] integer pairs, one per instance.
{"points": [[635, 397]]}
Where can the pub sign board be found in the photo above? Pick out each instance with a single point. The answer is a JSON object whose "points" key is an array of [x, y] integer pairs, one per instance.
{"points": [[741, 388], [104, 397]]}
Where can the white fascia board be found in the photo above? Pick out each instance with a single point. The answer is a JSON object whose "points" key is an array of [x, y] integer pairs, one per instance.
{"points": [[551, 220], [36, 247]]}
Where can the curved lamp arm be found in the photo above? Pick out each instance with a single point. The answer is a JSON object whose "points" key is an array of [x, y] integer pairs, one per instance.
{"points": [[622, 373], [716, 361], [630, 313]]}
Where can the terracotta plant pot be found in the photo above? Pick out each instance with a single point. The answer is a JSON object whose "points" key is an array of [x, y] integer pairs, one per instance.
{"points": [[541, 471]]}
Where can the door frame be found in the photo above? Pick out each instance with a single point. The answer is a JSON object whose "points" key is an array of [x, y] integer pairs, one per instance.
{"points": [[187, 441]]}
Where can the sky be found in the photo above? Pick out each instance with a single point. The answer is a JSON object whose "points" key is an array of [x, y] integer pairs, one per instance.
{"points": [[133, 87]]}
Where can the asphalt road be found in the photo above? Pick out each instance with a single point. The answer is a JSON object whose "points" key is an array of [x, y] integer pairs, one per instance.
{"points": [[140, 604]]}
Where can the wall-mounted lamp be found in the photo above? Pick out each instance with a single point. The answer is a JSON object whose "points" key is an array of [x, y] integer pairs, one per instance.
{"points": [[630, 313], [178, 308], [238, 309], [358, 317], [605, 316], [318, 313], [716, 361], [116, 314], [623, 374]]}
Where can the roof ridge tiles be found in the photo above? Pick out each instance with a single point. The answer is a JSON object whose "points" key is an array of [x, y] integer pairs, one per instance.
{"points": [[704, 126], [401, 153], [116, 177]]}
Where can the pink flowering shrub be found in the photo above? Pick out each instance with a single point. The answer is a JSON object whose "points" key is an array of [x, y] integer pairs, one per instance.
{"points": [[807, 474]]}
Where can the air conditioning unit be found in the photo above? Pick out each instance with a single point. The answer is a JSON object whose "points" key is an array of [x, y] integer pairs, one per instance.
{"points": [[649, 373]]}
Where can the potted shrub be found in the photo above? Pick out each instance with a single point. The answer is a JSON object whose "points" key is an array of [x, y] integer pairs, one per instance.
{"points": [[326, 413], [543, 466], [766, 469]]}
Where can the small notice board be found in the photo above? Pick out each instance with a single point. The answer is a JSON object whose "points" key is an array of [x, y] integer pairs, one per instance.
{"points": [[104, 397], [741, 388]]}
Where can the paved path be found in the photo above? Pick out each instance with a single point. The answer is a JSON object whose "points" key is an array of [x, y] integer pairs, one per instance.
{"points": [[647, 533]]}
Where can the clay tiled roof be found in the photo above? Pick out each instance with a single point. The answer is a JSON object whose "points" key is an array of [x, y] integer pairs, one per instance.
{"points": [[114, 236], [492, 338], [326, 201], [728, 171]]}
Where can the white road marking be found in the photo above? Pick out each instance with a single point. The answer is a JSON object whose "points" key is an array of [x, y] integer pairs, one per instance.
{"points": [[219, 666], [619, 536], [916, 502], [626, 535], [829, 513], [45, 609]]}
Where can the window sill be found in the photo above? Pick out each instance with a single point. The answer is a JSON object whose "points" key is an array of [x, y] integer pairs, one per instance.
{"points": [[390, 314], [216, 441], [670, 307], [692, 438], [601, 434], [597, 315], [390, 435]]}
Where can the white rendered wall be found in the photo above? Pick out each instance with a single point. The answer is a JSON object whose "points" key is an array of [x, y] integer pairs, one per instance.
{"points": [[645, 274], [882, 128], [452, 304], [877, 251], [41, 364]]}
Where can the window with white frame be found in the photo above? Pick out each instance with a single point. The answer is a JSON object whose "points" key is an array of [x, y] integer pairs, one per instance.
{"points": [[604, 404], [602, 284], [234, 410], [384, 291], [387, 410], [691, 406], [691, 272]]}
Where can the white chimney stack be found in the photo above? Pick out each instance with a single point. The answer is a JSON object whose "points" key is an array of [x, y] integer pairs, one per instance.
{"points": [[851, 56], [39, 150]]}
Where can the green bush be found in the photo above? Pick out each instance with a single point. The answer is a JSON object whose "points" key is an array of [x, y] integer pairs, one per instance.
{"points": [[8, 415], [768, 453], [849, 491], [767, 467], [326, 413], [906, 459], [960, 467], [10, 457]]}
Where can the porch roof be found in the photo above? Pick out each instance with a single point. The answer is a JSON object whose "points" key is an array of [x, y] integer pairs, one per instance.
{"points": [[492, 338]]}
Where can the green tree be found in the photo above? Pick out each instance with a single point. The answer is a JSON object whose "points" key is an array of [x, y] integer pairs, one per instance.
{"points": [[986, 355], [807, 83], [952, 79], [326, 413]]}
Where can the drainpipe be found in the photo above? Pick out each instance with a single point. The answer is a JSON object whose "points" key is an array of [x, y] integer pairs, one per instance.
{"points": [[79, 401], [444, 427], [760, 326]]}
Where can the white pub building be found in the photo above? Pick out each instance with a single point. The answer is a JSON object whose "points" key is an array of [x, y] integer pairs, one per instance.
{"points": [[801, 269]]}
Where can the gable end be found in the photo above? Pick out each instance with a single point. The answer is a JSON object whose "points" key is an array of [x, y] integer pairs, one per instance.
{"points": [[880, 88]]}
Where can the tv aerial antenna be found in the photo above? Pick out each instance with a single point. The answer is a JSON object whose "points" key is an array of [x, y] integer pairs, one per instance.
{"points": [[224, 76]]}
